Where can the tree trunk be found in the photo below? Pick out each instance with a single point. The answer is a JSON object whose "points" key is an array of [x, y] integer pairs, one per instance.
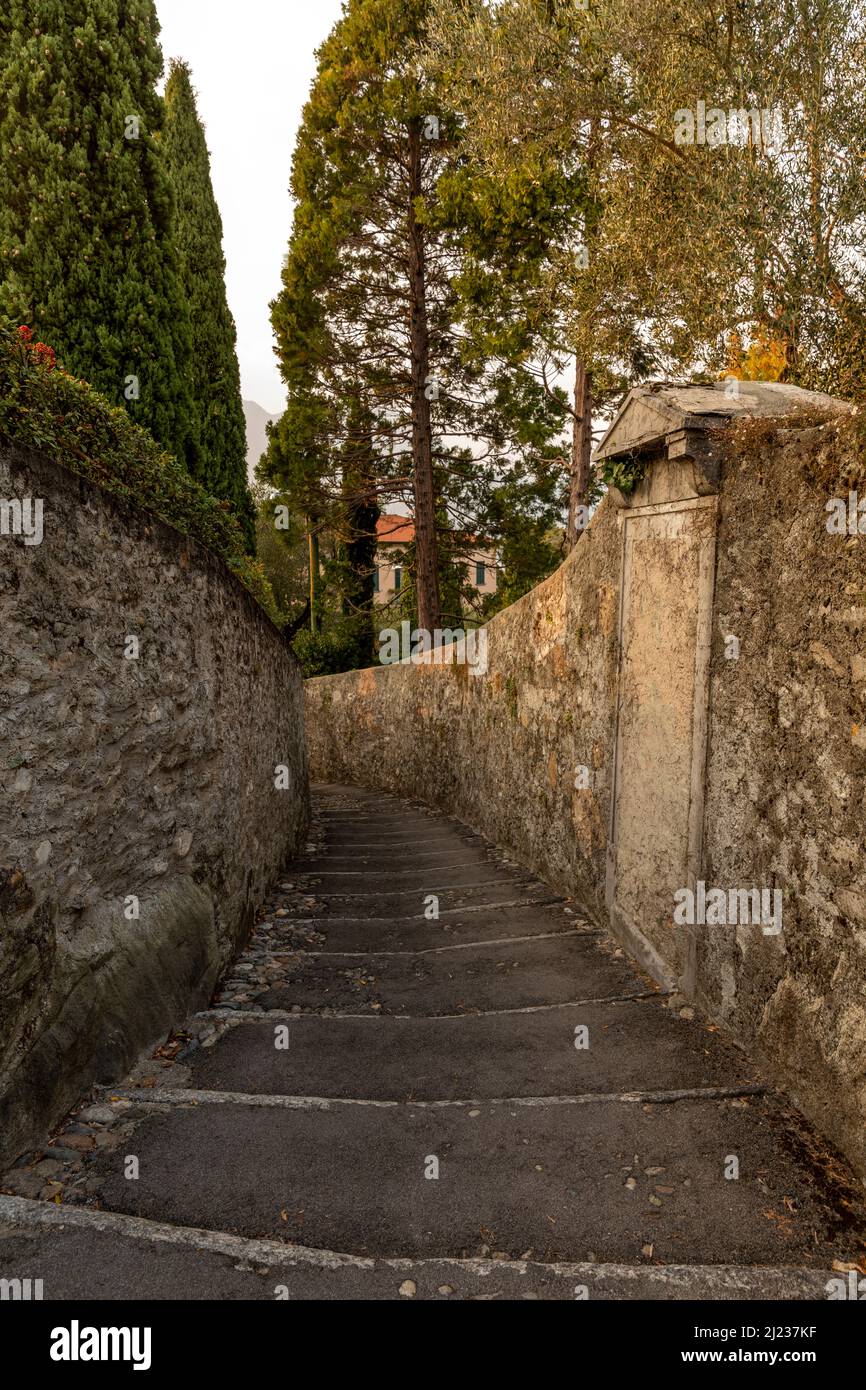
{"points": [[581, 449], [314, 576], [426, 547], [581, 439], [362, 512]]}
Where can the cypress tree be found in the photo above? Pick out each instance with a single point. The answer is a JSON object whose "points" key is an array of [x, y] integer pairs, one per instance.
{"points": [[198, 234], [87, 257]]}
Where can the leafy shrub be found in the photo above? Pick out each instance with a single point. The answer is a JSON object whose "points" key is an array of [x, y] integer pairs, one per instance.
{"points": [[327, 653], [44, 407]]}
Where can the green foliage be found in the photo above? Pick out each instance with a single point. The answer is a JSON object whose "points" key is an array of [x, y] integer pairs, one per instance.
{"points": [[353, 363], [340, 648], [624, 474], [215, 378], [689, 240], [45, 408], [528, 555], [282, 551], [87, 256]]}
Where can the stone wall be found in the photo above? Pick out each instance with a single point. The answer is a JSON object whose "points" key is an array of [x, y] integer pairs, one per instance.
{"points": [[782, 765], [140, 817], [786, 775]]}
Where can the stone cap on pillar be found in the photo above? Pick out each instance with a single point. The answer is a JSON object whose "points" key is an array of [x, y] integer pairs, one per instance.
{"points": [[669, 421]]}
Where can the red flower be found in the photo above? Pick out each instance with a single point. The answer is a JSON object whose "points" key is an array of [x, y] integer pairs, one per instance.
{"points": [[40, 353], [44, 355]]}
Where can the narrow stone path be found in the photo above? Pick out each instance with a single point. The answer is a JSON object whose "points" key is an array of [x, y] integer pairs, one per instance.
{"points": [[391, 1096]]}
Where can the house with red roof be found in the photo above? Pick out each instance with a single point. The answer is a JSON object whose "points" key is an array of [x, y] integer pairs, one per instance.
{"points": [[394, 533]]}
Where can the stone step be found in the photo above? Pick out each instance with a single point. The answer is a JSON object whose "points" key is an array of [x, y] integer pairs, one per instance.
{"points": [[402, 859], [385, 820], [632, 1046], [353, 836], [83, 1254], [564, 1181], [428, 878], [406, 902], [458, 979], [416, 933]]}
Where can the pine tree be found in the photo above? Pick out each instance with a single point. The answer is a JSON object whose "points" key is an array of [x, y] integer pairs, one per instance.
{"points": [[360, 170], [370, 310], [87, 257], [198, 235]]}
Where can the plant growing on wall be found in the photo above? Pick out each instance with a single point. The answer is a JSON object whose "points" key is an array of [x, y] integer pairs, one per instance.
{"points": [[624, 474], [46, 408]]}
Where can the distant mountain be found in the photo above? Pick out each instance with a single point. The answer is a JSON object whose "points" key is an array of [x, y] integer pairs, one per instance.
{"points": [[257, 440]]}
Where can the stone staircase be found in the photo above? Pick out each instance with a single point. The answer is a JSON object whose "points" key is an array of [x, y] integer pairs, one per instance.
{"points": [[391, 1097]]}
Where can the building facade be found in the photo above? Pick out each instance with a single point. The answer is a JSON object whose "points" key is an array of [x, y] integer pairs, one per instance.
{"points": [[395, 533]]}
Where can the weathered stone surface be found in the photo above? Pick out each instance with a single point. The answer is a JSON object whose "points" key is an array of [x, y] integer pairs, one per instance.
{"points": [[150, 778], [786, 777]]}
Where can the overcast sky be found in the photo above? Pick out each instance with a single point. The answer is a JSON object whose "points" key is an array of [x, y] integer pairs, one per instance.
{"points": [[252, 63]]}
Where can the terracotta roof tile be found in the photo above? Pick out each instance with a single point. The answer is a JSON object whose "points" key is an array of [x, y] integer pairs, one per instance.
{"points": [[396, 529]]}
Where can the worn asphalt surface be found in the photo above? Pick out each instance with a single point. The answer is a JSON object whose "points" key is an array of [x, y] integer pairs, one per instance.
{"points": [[286, 1142]]}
